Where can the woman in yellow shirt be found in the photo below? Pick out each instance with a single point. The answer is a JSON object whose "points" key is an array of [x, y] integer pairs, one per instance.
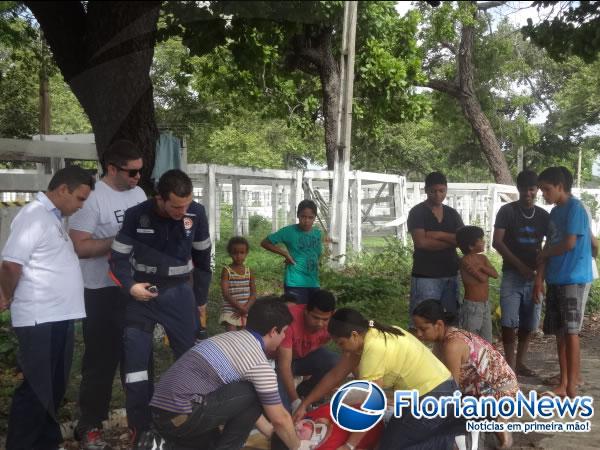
{"points": [[395, 360]]}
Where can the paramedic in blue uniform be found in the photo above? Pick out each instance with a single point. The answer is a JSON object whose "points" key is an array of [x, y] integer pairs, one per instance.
{"points": [[163, 243]]}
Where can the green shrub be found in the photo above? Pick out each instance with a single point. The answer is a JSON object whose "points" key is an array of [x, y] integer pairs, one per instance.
{"points": [[8, 342], [259, 224]]}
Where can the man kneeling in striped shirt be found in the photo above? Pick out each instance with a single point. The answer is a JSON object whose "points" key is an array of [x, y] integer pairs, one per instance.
{"points": [[226, 381]]}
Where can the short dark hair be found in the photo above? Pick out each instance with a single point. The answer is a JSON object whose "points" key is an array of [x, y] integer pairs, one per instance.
{"points": [[568, 178], [322, 300], [346, 320], [556, 176], [432, 310], [73, 177], [176, 182], [237, 240], [435, 178], [266, 313], [467, 236], [527, 178], [119, 153], [306, 204]]}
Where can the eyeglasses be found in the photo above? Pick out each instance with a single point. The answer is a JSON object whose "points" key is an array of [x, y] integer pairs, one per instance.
{"points": [[131, 172]]}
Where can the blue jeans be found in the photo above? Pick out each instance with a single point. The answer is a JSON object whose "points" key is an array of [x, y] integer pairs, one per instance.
{"points": [[45, 355], [299, 294], [516, 302], [316, 364], [444, 290]]}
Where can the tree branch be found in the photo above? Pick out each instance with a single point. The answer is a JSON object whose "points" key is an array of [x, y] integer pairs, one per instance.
{"points": [[444, 86], [449, 46], [484, 6], [536, 93]]}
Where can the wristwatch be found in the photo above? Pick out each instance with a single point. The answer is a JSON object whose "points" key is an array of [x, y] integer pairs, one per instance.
{"points": [[350, 446]]}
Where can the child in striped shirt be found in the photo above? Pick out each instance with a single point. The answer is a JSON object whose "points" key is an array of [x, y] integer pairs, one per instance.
{"points": [[237, 285]]}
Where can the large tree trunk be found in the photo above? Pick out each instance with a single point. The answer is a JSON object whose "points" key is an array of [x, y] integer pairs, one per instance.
{"points": [[330, 84], [314, 55], [474, 113], [105, 54], [464, 91]]}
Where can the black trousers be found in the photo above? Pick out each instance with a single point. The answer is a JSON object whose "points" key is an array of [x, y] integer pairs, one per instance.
{"points": [[234, 406], [45, 355], [103, 339]]}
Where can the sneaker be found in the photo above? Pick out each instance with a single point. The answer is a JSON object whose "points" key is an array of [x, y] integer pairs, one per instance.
{"points": [[151, 440], [92, 440]]}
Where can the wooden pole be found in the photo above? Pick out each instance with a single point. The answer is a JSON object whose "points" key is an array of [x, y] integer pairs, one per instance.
{"points": [[274, 206], [339, 210], [210, 203], [579, 170], [356, 222], [237, 206]]}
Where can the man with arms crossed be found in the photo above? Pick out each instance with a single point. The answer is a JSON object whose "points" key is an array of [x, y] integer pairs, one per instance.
{"points": [[432, 226]]}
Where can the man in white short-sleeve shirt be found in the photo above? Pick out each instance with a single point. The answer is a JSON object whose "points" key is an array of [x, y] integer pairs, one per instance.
{"points": [[92, 230], [41, 282]]}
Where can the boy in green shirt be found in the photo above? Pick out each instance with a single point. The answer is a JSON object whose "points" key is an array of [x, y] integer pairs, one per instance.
{"points": [[302, 252]]}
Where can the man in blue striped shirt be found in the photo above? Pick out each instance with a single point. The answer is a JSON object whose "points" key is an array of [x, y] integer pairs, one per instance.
{"points": [[226, 381]]}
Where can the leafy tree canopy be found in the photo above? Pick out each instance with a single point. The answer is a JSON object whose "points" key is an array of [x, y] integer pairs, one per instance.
{"points": [[570, 29]]}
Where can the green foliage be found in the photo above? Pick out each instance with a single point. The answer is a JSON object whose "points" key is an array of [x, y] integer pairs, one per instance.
{"points": [[376, 283], [24, 61], [259, 225], [223, 114], [275, 59], [574, 30], [8, 343], [66, 114]]}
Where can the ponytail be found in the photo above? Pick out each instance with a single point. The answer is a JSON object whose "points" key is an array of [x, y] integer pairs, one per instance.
{"points": [[346, 320]]}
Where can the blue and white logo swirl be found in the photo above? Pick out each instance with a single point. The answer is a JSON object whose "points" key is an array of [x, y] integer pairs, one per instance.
{"points": [[370, 412]]}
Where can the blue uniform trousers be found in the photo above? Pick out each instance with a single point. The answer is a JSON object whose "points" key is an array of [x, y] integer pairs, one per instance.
{"points": [[175, 309]]}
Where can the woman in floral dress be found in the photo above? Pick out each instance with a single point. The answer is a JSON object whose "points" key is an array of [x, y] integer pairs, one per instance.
{"points": [[478, 368]]}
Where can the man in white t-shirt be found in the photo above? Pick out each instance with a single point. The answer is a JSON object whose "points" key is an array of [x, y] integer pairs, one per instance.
{"points": [[92, 230], [41, 282]]}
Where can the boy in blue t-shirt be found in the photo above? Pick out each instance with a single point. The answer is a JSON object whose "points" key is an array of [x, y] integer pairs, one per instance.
{"points": [[302, 252], [566, 263]]}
